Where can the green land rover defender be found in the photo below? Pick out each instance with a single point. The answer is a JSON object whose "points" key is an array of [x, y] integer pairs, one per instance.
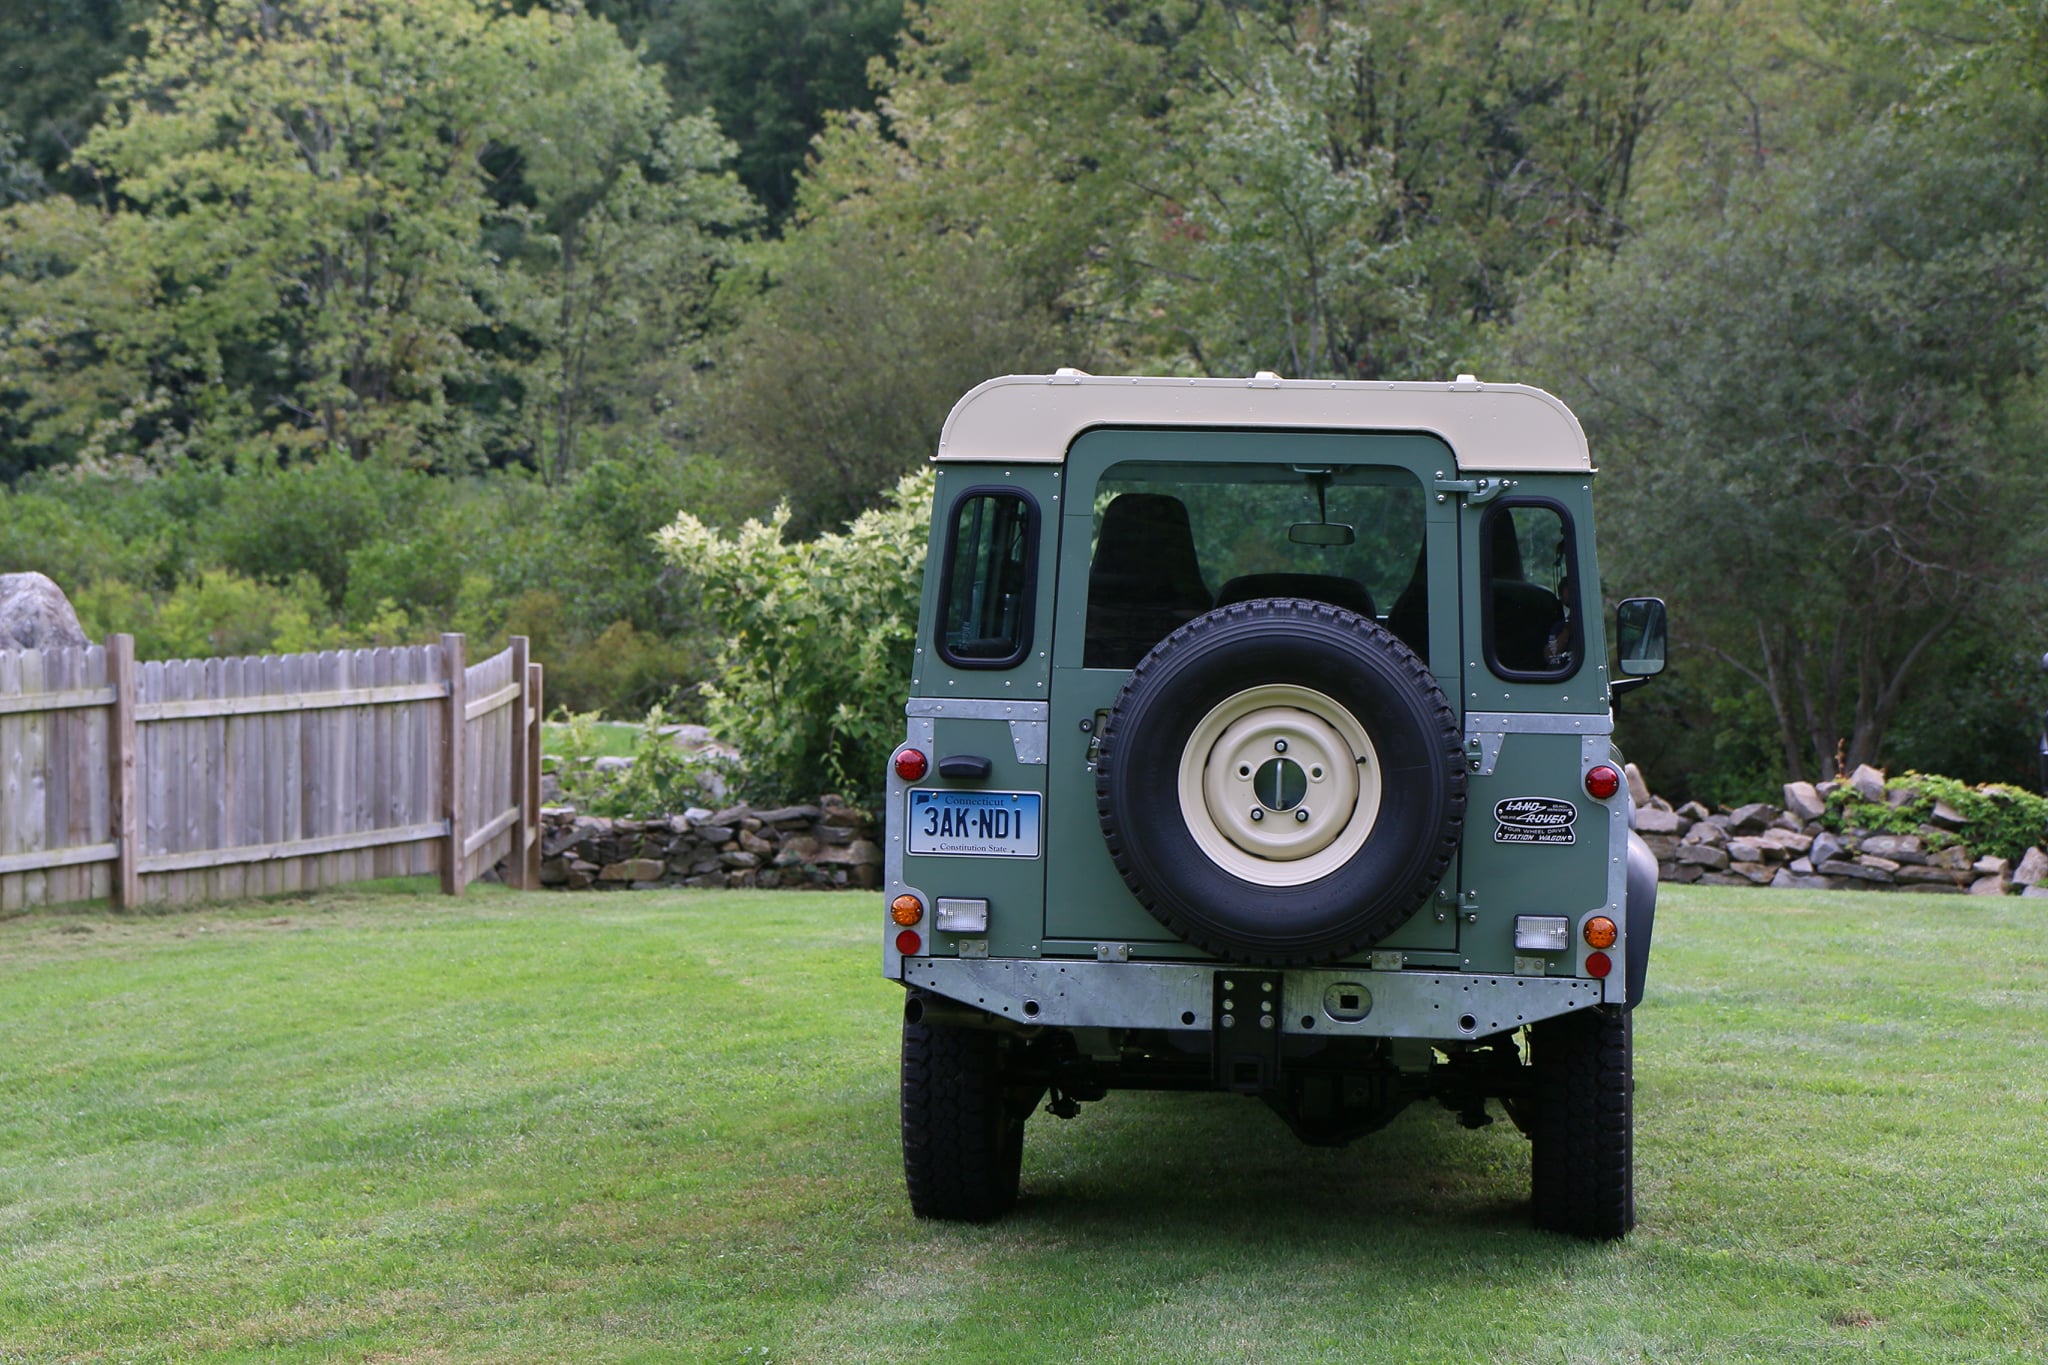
{"points": [[1259, 740]]}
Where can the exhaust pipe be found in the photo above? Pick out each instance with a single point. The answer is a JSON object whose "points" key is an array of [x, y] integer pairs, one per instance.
{"points": [[919, 1008]]}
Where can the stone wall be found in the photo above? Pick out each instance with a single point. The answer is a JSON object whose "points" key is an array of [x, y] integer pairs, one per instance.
{"points": [[816, 847], [1787, 846]]}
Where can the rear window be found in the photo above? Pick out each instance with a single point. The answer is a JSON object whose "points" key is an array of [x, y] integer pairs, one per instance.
{"points": [[985, 597], [1172, 541]]}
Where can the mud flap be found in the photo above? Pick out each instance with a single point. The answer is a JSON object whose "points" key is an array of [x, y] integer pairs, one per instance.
{"points": [[1642, 913]]}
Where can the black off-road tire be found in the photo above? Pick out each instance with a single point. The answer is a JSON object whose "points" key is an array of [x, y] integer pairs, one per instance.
{"points": [[963, 1141], [1195, 875], [1582, 1137]]}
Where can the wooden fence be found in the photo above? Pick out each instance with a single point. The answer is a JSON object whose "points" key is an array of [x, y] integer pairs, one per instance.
{"points": [[214, 779]]}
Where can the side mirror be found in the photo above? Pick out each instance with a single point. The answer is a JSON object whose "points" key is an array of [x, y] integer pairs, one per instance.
{"points": [[1640, 636]]}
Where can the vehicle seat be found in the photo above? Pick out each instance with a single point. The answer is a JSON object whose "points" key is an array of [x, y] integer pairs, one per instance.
{"points": [[1409, 618], [1145, 582], [1338, 591], [1526, 616]]}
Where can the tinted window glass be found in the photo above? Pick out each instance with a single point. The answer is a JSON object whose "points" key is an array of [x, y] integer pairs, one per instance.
{"points": [[985, 615], [1531, 607], [1172, 541]]}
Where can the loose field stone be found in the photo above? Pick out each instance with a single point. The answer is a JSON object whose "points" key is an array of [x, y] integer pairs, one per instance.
{"points": [[740, 858], [1683, 873], [716, 834], [1929, 876], [1754, 818], [1649, 820], [1955, 857], [1992, 885], [1842, 868], [1803, 801], [1703, 855], [1868, 783], [1884, 865], [1706, 832], [1746, 850], [1723, 879], [1824, 848], [1755, 873], [1638, 790], [2033, 868], [633, 870], [1945, 816], [2036, 892], [1989, 866], [1789, 880], [1694, 811], [1664, 847]]}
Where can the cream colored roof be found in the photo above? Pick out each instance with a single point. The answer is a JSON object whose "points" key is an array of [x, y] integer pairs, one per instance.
{"points": [[1033, 418]]}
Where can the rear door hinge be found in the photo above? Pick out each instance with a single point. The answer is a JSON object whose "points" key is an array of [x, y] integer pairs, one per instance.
{"points": [[1474, 491]]}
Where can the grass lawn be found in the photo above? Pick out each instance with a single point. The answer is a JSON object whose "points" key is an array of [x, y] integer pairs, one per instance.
{"points": [[388, 1126]]}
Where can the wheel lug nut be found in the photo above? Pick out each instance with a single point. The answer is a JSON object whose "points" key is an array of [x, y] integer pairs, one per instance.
{"points": [[1258, 814], [1301, 814], [1279, 746]]}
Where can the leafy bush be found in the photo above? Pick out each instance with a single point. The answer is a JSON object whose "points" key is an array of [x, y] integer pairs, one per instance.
{"points": [[663, 779], [817, 639], [2003, 821]]}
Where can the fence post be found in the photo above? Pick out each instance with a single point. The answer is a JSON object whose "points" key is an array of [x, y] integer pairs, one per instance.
{"points": [[529, 780], [123, 815], [515, 857], [454, 780]]}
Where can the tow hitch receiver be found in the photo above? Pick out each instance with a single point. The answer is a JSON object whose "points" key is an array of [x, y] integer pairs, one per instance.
{"points": [[1246, 1047]]}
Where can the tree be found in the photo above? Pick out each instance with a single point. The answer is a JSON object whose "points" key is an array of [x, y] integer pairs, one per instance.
{"points": [[1817, 411], [633, 221], [838, 378], [360, 224], [773, 71]]}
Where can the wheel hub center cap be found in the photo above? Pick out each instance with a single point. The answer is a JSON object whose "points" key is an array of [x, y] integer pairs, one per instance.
{"points": [[1280, 784]]}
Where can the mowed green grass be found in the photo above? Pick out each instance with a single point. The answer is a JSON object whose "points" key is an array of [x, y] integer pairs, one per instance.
{"points": [[389, 1126]]}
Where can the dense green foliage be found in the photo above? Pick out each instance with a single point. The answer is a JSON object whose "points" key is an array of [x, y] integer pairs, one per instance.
{"points": [[662, 1126], [355, 320], [817, 640], [2003, 822]]}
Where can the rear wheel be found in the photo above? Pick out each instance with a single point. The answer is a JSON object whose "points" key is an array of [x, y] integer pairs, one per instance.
{"points": [[963, 1139], [1582, 1139]]}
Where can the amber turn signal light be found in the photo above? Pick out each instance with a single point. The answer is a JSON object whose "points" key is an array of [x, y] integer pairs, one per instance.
{"points": [[907, 909], [1600, 932]]}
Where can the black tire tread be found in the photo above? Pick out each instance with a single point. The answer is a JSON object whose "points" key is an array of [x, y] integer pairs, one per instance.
{"points": [[1446, 725], [1582, 1142], [962, 1149]]}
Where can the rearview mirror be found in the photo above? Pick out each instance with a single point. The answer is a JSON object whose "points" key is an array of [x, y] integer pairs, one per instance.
{"points": [[1328, 534], [1640, 636]]}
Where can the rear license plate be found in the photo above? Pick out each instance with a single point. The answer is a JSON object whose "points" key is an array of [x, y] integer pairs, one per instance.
{"points": [[975, 824]]}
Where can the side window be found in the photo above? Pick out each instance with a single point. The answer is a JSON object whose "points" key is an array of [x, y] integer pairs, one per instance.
{"points": [[991, 573], [1529, 572]]}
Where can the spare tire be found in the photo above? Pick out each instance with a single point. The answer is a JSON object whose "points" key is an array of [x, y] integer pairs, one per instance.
{"points": [[1281, 782]]}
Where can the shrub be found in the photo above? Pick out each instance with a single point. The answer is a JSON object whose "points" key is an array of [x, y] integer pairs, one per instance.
{"points": [[663, 779], [817, 637]]}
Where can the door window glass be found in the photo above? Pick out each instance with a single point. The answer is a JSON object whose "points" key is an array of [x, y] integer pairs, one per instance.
{"points": [[1528, 568], [985, 598]]}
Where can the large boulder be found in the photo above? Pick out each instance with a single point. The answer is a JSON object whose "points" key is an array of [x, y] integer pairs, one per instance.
{"points": [[35, 614]]}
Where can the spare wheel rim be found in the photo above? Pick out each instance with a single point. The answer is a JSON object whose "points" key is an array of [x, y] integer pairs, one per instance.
{"points": [[1279, 785]]}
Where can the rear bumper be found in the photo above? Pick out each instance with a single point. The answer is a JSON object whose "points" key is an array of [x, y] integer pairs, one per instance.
{"points": [[1170, 995]]}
